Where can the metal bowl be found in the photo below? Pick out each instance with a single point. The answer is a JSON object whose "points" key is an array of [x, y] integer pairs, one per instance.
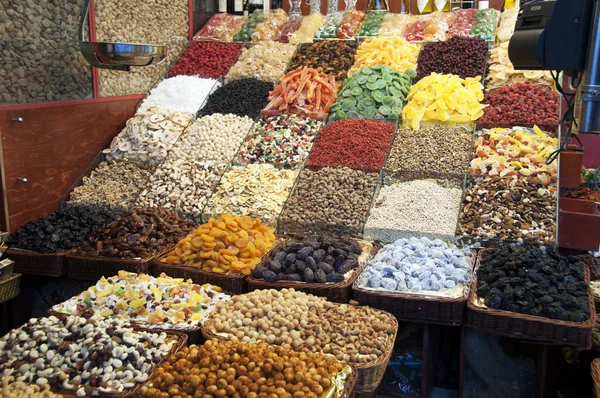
{"points": [[121, 56]]}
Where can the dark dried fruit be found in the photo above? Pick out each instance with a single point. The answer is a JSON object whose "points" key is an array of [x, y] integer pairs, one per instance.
{"points": [[293, 277], [347, 266], [320, 276], [327, 268], [335, 277], [290, 259], [269, 276], [305, 252], [258, 272], [309, 275]]}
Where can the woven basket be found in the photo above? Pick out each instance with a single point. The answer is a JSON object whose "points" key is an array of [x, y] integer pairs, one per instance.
{"points": [[531, 327], [596, 376], [340, 292], [40, 264], [418, 307], [94, 268], [231, 283], [593, 264], [9, 287], [369, 376]]}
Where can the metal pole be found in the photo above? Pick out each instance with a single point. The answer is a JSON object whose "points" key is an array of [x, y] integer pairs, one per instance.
{"points": [[589, 119]]}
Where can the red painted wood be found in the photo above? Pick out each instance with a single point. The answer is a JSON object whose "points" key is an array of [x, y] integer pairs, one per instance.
{"points": [[95, 73], [578, 225], [52, 104], [51, 148]]}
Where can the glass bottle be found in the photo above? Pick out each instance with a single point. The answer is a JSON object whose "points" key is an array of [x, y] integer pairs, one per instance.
{"points": [[376, 5], [295, 9], [315, 6]]}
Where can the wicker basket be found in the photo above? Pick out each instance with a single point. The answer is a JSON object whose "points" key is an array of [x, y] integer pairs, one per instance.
{"points": [[40, 264], [593, 264], [9, 287], [340, 292], [596, 376], [417, 307], [94, 268], [231, 283], [531, 327], [369, 376]]}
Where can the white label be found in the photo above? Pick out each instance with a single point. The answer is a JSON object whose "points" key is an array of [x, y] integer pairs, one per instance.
{"points": [[238, 5], [484, 4], [439, 4], [222, 5], [421, 4]]}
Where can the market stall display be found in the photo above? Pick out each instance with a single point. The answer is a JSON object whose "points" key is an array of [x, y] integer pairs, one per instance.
{"points": [[525, 211], [435, 151], [249, 27], [357, 143], [521, 104], [334, 57], [364, 336], [371, 24], [109, 344], [321, 265], [332, 200], [502, 73], [264, 61], [206, 59], [418, 279], [11, 388], [270, 27], [221, 27], [374, 92], [424, 207], [145, 301], [548, 294], [515, 151], [394, 52], [184, 94], [129, 243], [321, 375], [243, 97], [256, 190], [443, 99], [351, 24], [508, 20], [303, 91], [415, 30], [162, 22], [308, 28], [221, 251], [283, 141], [148, 136], [115, 185], [460, 56], [330, 27], [394, 25], [464, 20], [291, 26], [438, 24]]}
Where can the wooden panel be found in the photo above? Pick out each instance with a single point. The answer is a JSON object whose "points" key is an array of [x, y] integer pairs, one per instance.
{"points": [[50, 148]]}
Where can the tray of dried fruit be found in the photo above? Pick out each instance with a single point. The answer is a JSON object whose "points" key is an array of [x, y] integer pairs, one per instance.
{"points": [[319, 376], [360, 336], [325, 266], [529, 293], [130, 244], [162, 303], [9, 287], [419, 280], [222, 252], [105, 344]]}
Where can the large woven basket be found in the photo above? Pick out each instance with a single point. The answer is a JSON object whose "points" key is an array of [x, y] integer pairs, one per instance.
{"points": [[530, 327], [94, 268], [231, 283], [369, 375], [40, 264], [419, 307], [340, 292], [9, 287], [595, 367]]}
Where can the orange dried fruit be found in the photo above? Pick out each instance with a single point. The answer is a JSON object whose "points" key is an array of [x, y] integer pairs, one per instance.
{"points": [[197, 242], [207, 238], [242, 242]]}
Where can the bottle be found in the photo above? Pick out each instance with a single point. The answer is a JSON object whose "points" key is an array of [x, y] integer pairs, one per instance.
{"points": [[236, 7], [255, 5], [223, 6], [377, 5], [276, 4]]}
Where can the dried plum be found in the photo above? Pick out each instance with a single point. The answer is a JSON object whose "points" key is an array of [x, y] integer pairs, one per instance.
{"points": [[533, 281], [290, 259], [319, 255], [308, 275], [305, 252], [300, 266], [320, 276], [311, 263], [335, 277], [347, 266], [269, 276], [273, 265], [258, 272], [293, 277], [328, 269]]}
